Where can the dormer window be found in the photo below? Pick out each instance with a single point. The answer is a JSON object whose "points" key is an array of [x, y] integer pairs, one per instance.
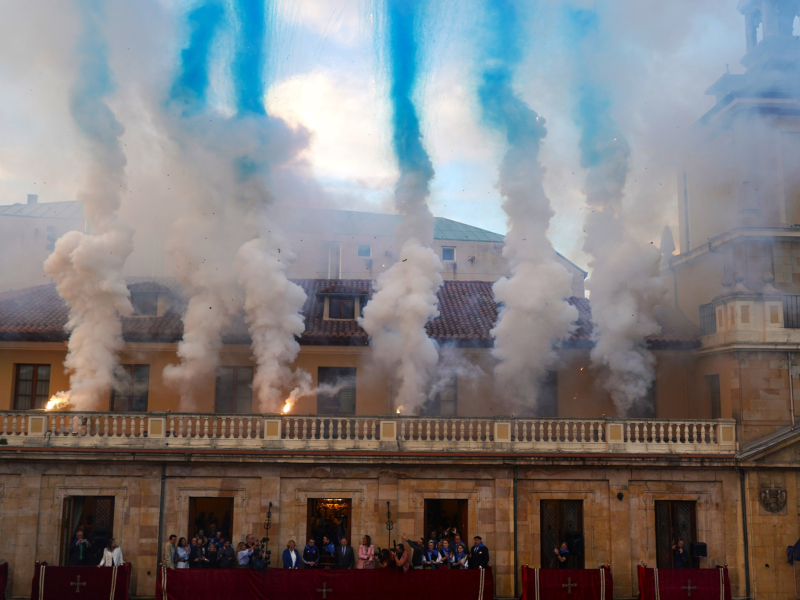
{"points": [[145, 304], [343, 301]]}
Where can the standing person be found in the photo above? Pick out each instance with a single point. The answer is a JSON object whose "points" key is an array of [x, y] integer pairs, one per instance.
{"points": [[458, 560], [226, 558], [79, 550], [327, 547], [366, 553], [418, 549], [386, 559], [112, 555], [444, 554], [401, 558], [479, 555], [243, 554], [344, 556], [168, 551], [212, 556], [680, 556], [197, 555], [311, 554], [291, 558], [182, 553], [430, 558], [562, 555]]}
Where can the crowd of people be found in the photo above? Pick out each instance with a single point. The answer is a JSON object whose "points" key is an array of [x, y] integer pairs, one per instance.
{"points": [[445, 551]]}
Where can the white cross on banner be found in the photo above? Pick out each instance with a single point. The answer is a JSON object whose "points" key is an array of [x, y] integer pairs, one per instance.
{"points": [[567, 584]]}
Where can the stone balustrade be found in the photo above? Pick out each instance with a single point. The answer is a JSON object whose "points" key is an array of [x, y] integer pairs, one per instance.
{"points": [[367, 433]]}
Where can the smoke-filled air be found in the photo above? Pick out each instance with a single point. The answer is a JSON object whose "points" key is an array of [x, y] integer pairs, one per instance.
{"points": [[433, 208], [625, 284], [535, 316], [405, 297], [88, 266]]}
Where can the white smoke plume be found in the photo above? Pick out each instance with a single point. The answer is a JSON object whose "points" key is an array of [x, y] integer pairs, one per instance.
{"points": [[227, 258], [535, 315], [272, 311], [87, 267], [405, 294], [625, 284]]}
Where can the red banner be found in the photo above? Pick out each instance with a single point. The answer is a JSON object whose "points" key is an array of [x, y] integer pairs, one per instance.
{"points": [[323, 584], [85, 583], [567, 584], [3, 578], [684, 584]]}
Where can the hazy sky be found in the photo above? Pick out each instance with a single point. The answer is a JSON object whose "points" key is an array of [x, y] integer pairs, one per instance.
{"points": [[327, 74]]}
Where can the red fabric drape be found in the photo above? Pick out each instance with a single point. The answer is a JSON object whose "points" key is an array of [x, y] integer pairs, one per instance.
{"points": [[3, 577], [307, 584], [567, 584], [92, 583], [684, 584]]}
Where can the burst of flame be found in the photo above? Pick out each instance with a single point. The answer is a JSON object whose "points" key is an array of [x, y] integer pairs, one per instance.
{"points": [[287, 407], [59, 401]]}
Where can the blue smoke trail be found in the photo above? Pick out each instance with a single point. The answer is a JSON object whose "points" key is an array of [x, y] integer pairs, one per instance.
{"points": [[501, 106], [191, 84], [91, 113], [415, 165], [601, 142], [250, 59]]}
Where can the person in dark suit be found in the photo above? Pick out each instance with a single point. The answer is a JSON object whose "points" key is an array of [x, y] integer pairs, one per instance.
{"points": [[79, 549], [680, 556], [479, 555], [291, 557], [345, 558]]}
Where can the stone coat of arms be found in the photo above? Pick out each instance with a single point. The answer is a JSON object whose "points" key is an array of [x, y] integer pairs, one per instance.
{"points": [[773, 499]]}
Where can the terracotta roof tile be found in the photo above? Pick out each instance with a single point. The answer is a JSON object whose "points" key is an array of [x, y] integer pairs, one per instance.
{"points": [[468, 313]]}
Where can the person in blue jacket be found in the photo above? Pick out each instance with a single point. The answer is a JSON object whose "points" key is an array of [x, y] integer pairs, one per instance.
{"points": [[311, 554], [291, 557]]}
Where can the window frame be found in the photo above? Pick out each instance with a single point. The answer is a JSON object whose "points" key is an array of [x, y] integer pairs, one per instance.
{"points": [[433, 405], [453, 248], [359, 246], [131, 368], [34, 382], [342, 301], [234, 393], [715, 393], [546, 554]]}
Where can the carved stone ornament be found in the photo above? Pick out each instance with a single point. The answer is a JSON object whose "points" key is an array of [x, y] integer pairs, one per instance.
{"points": [[773, 499]]}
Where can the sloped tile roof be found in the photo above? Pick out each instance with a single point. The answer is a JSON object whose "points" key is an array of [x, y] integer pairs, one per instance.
{"points": [[467, 314]]}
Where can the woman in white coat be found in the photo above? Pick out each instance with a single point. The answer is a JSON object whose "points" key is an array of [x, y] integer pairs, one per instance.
{"points": [[112, 555]]}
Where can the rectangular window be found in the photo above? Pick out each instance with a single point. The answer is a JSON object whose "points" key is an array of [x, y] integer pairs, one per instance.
{"points": [[364, 250], [547, 403], [713, 391], [448, 253], [745, 315], [674, 521], [131, 386], [442, 400], [31, 387], [342, 308], [340, 397], [561, 522], [233, 392], [145, 304]]}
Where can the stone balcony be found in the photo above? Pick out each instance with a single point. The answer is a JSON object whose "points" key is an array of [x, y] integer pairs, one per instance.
{"points": [[187, 432]]}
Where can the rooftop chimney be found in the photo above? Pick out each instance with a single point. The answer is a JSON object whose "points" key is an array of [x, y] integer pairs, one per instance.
{"points": [[33, 198]]}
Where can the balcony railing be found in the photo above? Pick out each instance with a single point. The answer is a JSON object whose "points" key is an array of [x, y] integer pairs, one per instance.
{"points": [[367, 433]]}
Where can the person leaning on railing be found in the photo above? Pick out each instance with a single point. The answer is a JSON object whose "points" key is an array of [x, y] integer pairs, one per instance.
{"points": [[112, 555], [168, 551]]}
